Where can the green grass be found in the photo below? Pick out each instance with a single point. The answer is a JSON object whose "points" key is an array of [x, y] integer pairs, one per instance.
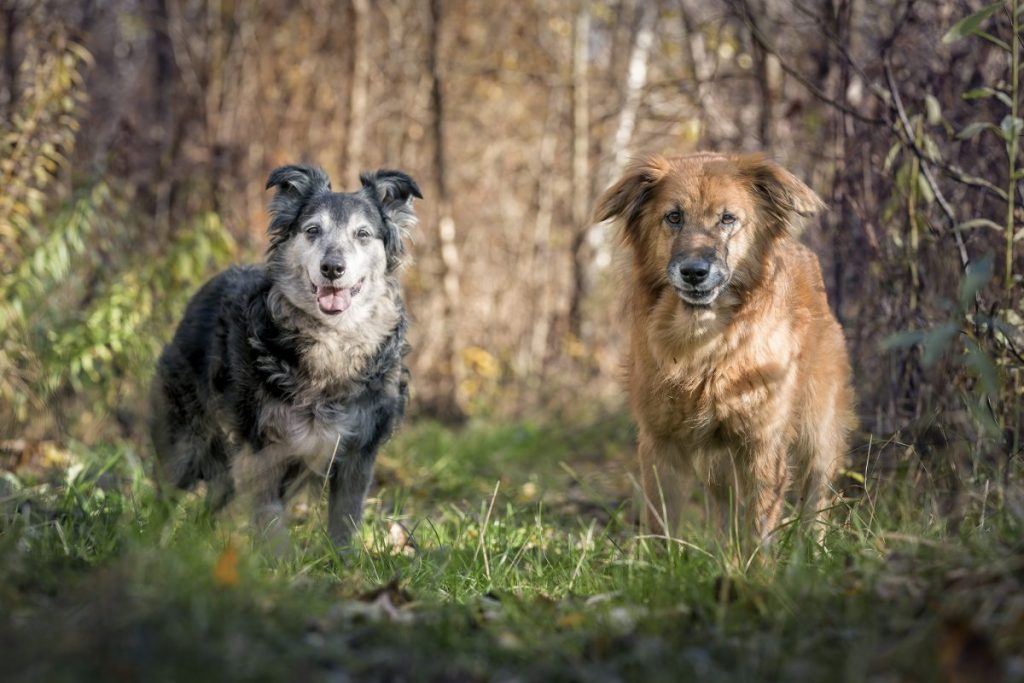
{"points": [[523, 563]]}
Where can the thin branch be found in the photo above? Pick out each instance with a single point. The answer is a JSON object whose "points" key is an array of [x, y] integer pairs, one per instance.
{"points": [[898, 27], [958, 174], [992, 39], [834, 41], [908, 131], [762, 41], [954, 172]]}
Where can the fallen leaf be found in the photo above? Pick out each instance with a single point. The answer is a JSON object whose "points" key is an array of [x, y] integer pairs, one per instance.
{"points": [[571, 620], [967, 656], [401, 540], [225, 571], [392, 591]]}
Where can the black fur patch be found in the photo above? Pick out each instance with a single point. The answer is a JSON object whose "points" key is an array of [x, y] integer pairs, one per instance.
{"points": [[296, 187], [392, 192]]}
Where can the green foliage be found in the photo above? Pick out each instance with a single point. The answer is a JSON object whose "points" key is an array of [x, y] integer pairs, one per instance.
{"points": [[37, 138], [35, 142], [69, 322], [971, 329], [117, 328], [971, 24], [81, 304], [982, 330]]}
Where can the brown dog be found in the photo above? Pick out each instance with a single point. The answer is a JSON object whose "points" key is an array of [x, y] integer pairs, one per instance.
{"points": [[737, 368]]}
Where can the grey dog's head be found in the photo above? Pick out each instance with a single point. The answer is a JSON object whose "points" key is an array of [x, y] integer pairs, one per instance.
{"points": [[331, 252]]}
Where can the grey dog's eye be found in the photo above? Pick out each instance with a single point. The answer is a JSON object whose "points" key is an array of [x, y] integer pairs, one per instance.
{"points": [[313, 230], [363, 234], [728, 218], [674, 217]]}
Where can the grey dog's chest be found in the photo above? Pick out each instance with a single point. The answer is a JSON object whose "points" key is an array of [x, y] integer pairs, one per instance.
{"points": [[309, 432]]}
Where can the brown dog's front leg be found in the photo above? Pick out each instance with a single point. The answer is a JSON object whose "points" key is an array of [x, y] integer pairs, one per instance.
{"points": [[768, 483], [663, 486]]}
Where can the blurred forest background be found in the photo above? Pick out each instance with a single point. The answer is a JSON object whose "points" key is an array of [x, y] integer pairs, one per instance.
{"points": [[136, 137]]}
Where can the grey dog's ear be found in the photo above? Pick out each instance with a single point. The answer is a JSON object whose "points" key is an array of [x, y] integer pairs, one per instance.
{"points": [[393, 192], [296, 185]]}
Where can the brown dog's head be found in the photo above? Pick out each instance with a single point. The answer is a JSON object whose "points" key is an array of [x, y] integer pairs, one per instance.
{"points": [[702, 223]]}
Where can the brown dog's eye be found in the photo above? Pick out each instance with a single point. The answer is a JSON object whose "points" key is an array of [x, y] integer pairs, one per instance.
{"points": [[674, 217], [728, 218]]}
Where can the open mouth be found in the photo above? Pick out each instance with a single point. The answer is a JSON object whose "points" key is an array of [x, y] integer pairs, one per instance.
{"points": [[335, 300], [698, 297]]}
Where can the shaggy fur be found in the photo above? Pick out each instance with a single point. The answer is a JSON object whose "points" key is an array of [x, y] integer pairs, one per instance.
{"points": [[294, 367], [737, 370]]}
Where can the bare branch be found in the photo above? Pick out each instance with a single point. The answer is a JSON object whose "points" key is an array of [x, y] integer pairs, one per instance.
{"points": [[953, 171], [743, 10]]}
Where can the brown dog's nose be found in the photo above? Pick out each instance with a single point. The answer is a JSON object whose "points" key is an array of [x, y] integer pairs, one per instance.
{"points": [[694, 271], [332, 269]]}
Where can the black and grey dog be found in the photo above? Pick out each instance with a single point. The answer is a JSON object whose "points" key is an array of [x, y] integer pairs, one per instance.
{"points": [[294, 366]]}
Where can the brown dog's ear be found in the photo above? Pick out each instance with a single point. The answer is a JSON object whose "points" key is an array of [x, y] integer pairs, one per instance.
{"points": [[626, 198], [782, 194]]}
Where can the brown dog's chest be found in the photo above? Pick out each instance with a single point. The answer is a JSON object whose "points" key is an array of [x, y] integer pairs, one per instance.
{"points": [[735, 395]]}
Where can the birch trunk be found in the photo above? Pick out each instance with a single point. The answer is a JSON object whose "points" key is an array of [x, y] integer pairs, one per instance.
{"points": [[592, 245]]}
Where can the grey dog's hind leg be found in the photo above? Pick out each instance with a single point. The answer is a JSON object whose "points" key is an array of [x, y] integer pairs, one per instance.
{"points": [[220, 486], [187, 449], [179, 444]]}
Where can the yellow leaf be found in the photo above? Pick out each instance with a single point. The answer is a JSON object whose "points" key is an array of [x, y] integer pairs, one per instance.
{"points": [[571, 620], [856, 476], [225, 572]]}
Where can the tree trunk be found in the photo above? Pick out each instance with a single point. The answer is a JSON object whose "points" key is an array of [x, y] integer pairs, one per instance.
{"points": [[447, 400], [164, 76], [636, 79], [764, 85], [839, 14], [538, 267], [10, 18], [581, 190], [358, 94]]}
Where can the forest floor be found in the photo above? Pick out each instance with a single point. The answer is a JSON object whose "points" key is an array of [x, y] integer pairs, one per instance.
{"points": [[504, 552]]}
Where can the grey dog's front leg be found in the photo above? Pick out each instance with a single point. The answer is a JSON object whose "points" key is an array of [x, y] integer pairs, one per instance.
{"points": [[256, 477], [350, 479]]}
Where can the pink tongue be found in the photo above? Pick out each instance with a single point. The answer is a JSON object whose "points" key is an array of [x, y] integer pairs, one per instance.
{"points": [[333, 299]]}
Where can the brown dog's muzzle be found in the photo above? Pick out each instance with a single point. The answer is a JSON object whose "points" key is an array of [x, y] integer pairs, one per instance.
{"points": [[698, 276]]}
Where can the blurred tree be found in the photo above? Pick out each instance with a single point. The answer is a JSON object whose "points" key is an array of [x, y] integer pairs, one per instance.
{"points": [[513, 116]]}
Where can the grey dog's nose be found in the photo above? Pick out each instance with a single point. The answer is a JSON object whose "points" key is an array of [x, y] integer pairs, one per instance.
{"points": [[694, 271], [332, 269]]}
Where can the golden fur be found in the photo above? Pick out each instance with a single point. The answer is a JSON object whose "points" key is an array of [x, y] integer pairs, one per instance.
{"points": [[751, 392]]}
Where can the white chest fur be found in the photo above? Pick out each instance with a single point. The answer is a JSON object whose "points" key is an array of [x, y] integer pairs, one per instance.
{"points": [[310, 434]]}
